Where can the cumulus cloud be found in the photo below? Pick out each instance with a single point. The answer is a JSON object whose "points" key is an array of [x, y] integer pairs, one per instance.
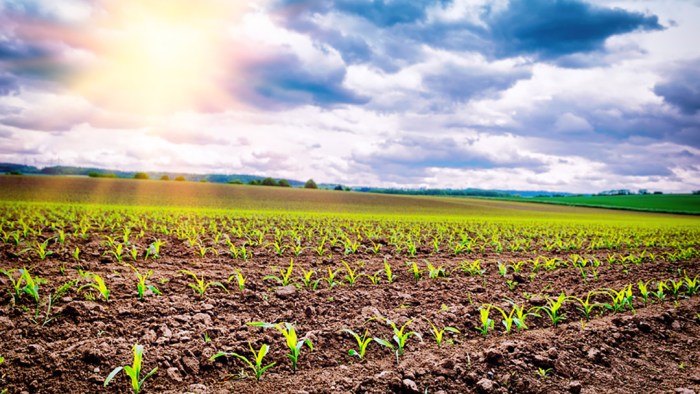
{"points": [[681, 88]]}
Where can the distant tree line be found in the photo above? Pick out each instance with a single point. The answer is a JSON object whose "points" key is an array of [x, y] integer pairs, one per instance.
{"points": [[625, 192], [435, 192]]}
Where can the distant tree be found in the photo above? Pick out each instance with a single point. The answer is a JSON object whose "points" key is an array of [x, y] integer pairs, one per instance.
{"points": [[268, 182], [658, 192], [310, 184], [141, 175], [15, 172], [235, 182], [696, 192], [204, 180], [643, 191], [339, 187], [180, 178], [255, 182], [165, 178], [284, 183], [94, 174]]}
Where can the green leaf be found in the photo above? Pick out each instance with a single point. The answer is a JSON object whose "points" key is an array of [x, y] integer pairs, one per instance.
{"points": [[112, 375], [384, 343]]}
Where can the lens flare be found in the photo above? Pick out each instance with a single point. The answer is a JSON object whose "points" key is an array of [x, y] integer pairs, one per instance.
{"points": [[160, 56]]}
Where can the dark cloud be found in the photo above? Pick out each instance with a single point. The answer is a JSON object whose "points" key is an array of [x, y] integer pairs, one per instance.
{"points": [[554, 28], [418, 153], [682, 88], [386, 12], [284, 81], [8, 84], [460, 83]]}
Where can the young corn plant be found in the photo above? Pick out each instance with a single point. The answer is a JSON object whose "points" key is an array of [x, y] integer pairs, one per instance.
{"points": [[352, 275], [401, 336], [644, 290], [660, 294], [472, 268], [521, 315], [553, 309], [586, 306], [285, 277], [76, 254], [98, 284], [439, 334], [41, 249], [200, 286], [330, 279], [31, 285], [240, 279], [435, 272], [487, 323], [417, 272], [620, 299], [508, 318], [691, 285], [51, 299], [141, 285], [390, 277], [675, 287], [362, 343], [16, 284], [294, 343], [307, 281], [257, 361], [133, 371]]}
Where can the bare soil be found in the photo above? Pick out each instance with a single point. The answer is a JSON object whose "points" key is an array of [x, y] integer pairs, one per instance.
{"points": [[655, 349]]}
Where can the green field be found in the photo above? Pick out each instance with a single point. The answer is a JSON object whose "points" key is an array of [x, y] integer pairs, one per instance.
{"points": [[250, 199], [670, 203]]}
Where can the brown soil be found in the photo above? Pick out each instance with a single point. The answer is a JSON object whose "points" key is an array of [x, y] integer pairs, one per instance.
{"points": [[655, 349]]}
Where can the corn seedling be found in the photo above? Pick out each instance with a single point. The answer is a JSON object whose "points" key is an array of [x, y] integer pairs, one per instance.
{"points": [[306, 279], [413, 269], [141, 285], [133, 371], [294, 344], [41, 249], [435, 272], [390, 277], [400, 337], [330, 279], [352, 275], [472, 268], [60, 292], [240, 279], [200, 286], [285, 275], [691, 285], [659, 293], [502, 269], [586, 305], [644, 290], [508, 318], [16, 284], [362, 343], [99, 285], [543, 373], [521, 315], [76, 254], [257, 362], [439, 334], [31, 285], [620, 299], [553, 307]]}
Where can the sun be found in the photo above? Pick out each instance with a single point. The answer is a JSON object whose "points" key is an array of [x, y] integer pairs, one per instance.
{"points": [[159, 56]]}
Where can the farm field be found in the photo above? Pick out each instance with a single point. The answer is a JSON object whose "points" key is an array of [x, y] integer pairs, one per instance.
{"points": [[462, 295], [672, 203]]}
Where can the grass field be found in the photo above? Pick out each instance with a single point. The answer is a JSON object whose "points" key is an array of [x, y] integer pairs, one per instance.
{"points": [[671, 203]]}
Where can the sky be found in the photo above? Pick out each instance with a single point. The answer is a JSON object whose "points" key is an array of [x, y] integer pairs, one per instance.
{"points": [[559, 95]]}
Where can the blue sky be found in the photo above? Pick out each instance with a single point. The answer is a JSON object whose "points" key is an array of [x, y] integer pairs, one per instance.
{"points": [[563, 95]]}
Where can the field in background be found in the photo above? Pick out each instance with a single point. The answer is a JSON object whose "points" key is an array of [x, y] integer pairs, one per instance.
{"points": [[670, 203], [244, 198]]}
